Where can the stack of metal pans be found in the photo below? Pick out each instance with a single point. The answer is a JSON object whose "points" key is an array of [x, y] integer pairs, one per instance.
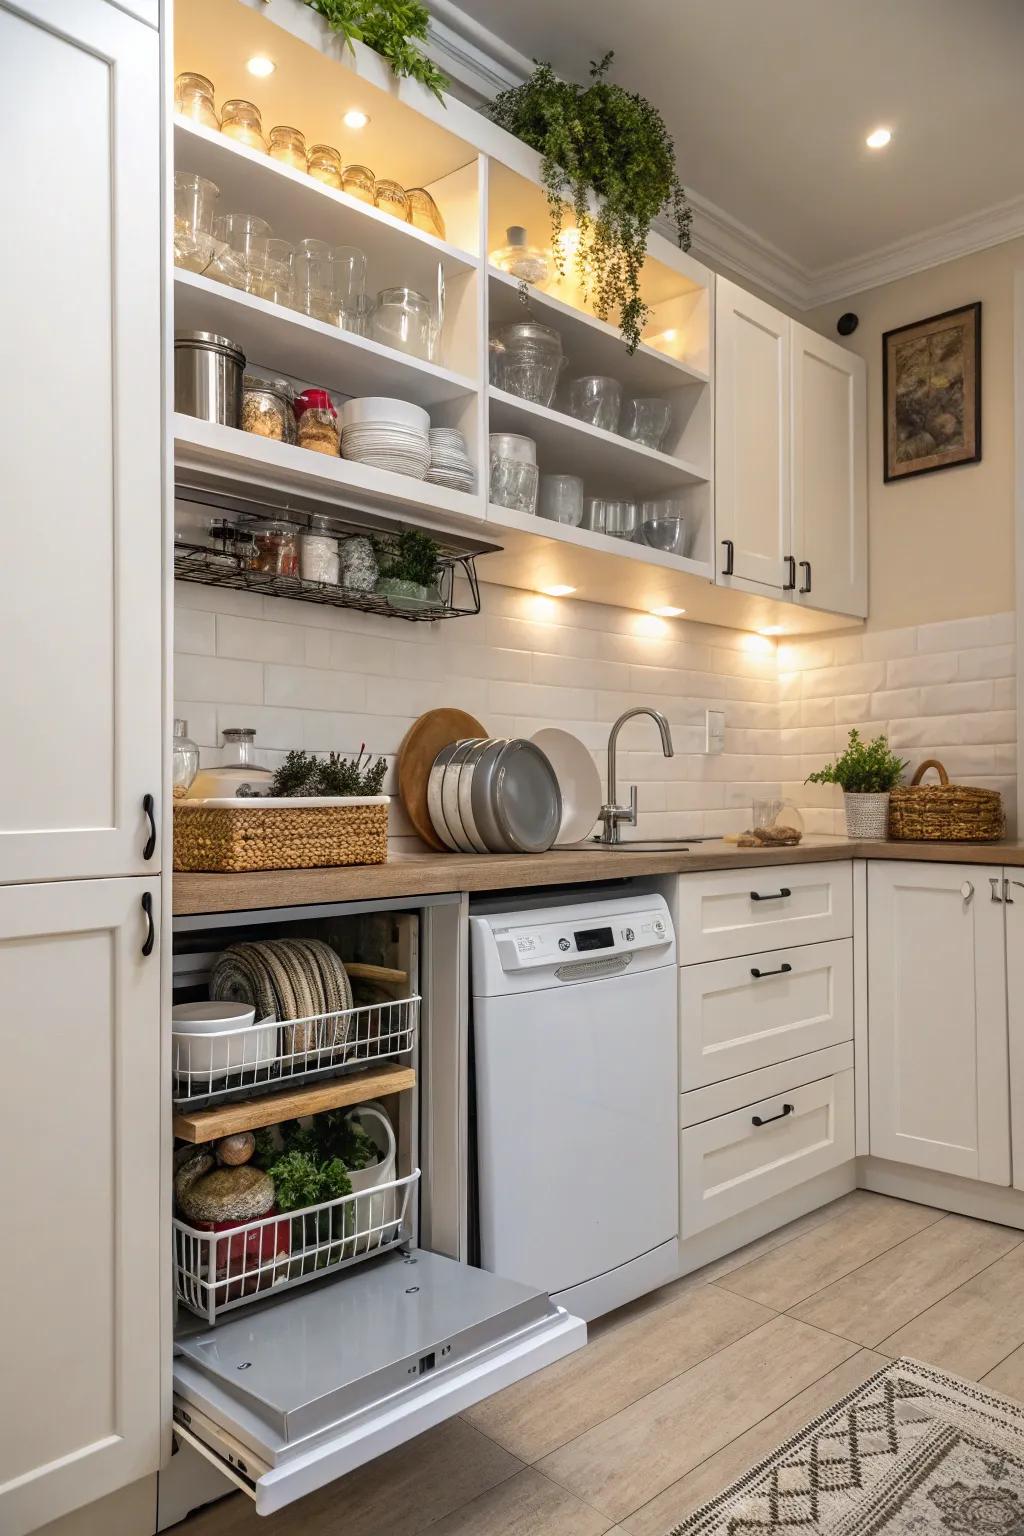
{"points": [[494, 795]]}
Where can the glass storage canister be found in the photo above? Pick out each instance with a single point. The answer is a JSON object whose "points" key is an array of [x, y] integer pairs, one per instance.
{"points": [[238, 766], [275, 549], [348, 266], [313, 281], [403, 319], [390, 197], [317, 422], [359, 182], [267, 408], [289, 146], [513, 471], [193, 98], [520, 259], [241, 121], [208, 373], [239, 263], [319, 559], [324, 164], [424, 212], [185, 761], [194, 202], [359, 564], [531, 362], [271, 260]]}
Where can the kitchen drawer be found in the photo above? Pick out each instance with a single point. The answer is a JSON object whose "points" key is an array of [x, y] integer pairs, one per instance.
{"points": [[742, 911], [738, 1015], [730, 1164]]}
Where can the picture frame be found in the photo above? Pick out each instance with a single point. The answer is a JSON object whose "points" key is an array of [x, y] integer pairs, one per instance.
{"points": [[931, 393]]}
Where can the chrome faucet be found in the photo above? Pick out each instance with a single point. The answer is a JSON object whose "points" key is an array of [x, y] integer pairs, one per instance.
{"points": [[612, 814]]}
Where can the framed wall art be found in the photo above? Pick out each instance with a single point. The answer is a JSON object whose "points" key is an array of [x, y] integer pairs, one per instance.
{"points": [[931, 382]]}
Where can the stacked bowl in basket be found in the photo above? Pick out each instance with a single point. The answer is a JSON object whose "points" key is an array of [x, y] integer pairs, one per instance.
{"points": [[386, 434]]}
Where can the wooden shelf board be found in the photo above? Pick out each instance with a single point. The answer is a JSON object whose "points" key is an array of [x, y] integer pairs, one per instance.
{"points": [[210, 1124]]}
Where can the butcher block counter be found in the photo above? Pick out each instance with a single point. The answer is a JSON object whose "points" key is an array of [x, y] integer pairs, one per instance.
{"points": [[428, 874]]}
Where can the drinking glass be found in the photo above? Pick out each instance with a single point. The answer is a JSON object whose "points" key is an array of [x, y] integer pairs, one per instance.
{"points": [[663, 525], [561, 499], [597, 400], [313, 281], [273, 260], [646, 421], [621, 519], [194, 201], [349, 271], [237, 265]]}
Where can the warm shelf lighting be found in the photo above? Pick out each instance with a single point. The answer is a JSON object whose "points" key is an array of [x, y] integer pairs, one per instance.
{"points": [[668, 612], [354, 118], [878, 138], [772, 629], [260, 66], [558, 591]]}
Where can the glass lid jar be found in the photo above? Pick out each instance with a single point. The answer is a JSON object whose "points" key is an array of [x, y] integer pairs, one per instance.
{"points": [[317, 422], [324, 164], [241, 121], [288, 145], [359, 182], [267, 408], [193, 98], [404, 319], [390, 197], [275, 552]]}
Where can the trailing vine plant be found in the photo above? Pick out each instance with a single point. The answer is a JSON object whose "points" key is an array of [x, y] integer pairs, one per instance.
{"points": [[391, 28], [605, 141]]}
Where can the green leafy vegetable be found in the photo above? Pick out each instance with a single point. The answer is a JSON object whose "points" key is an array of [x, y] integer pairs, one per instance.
{"points": [[865, 768], [391, 28], [413, 556], [297, 1181]]}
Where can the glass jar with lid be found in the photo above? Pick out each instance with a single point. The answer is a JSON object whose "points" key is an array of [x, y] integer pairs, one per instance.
{"points": [[288, 145], [403, 319], [324, 164], [241, 121], [359, 182], [317, 422], [185, 762], [238, 766], [267, 408], [275, 549], [390, 197], [530, 361], [193, 98], [319, 558], [520, 259], [424, 212]]}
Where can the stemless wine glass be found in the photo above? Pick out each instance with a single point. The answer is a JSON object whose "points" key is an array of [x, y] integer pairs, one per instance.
{"points": [[597, 400], [313, 281], [560, 499], [646, 420], [348, 265], [240, 234]]}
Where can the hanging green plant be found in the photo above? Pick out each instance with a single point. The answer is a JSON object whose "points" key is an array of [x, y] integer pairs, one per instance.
{"points": [[603, 140], [391, 28]]}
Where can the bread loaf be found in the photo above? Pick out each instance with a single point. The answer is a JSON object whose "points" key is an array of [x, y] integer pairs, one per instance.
{"points": [[205, 1192]]}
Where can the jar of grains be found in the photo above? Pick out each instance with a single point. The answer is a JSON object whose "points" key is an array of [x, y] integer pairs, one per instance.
{"points": [[319, 559], [241, 121], [275, 549], [324, 164], [267, 408], [289, 146], [317, 422]]}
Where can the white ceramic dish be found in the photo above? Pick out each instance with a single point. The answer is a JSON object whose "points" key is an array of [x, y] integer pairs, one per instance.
{"points": [[228, 1043], [578, 779], [377, 409], [525, 798], [209, 1018], [467, 770], [435, 806], [450, 796]]}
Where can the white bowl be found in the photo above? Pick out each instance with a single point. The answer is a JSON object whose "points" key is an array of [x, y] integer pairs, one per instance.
{"points": [[210, 1018], [380, 408], [247, 1050]]}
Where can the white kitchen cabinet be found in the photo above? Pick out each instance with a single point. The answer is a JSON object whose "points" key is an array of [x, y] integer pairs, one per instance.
{"points": [[80, 396], [1013, 892], [80, 1130], [937, 1028]]}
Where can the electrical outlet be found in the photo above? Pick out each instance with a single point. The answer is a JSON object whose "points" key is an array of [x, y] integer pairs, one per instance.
{"points": [[714, 730]]}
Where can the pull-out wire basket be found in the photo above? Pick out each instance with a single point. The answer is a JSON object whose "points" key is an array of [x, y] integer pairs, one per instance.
{"points": [[220, 1269], [264, 1057]]}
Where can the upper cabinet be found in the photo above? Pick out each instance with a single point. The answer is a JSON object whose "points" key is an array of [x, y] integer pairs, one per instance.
{"points": [[80, 624], [790, 458]]}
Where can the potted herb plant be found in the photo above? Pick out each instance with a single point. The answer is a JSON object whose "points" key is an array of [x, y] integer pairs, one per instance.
{"points": [[866, 773], [410, 569]]}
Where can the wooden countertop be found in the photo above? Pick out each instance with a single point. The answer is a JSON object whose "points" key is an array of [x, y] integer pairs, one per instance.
{"points": [[426, 874]]}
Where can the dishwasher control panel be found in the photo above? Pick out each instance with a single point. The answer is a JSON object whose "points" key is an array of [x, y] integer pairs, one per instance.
{"points": [[545, 944]]}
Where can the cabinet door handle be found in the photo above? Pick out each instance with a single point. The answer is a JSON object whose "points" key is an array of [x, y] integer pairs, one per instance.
{"points": [[789, 585], [772, 895], [783, 970], [730, 555], [150, 939], [805, 566], [995, 884], [787, 1109], [148, 804]]}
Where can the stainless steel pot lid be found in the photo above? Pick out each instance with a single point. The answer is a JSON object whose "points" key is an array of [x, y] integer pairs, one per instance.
{"points": [[209, 341], [526, 799]]}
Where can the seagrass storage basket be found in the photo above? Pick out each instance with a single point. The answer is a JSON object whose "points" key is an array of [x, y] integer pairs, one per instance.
{"points": [[944, 812], [235, 836]]}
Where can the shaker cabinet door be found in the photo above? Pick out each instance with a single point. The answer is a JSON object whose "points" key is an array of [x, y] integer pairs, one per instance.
{"points": [[81, 441], [82, 1283]]}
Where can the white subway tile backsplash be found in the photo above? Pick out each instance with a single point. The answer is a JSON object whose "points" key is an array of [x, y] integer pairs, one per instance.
{"points": [[195, 631], [218, 680]]}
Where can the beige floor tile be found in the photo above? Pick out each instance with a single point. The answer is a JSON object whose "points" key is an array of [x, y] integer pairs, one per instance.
{"points": [[527, 1505], [887, 1292], [736, 1458], [399, 1494], [633, 1456], [972, 1328], [544, 1411], [828, 1252], [1008, 1376]]}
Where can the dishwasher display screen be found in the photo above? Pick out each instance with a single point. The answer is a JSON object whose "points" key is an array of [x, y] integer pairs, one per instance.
{"points": [[594, 938]]}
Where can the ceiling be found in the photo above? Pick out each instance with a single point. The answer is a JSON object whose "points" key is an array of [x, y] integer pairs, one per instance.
{"points": [[769, 103]]}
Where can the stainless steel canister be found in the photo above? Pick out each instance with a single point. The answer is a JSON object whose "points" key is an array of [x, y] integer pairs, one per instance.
{"points": [[208, 371]]}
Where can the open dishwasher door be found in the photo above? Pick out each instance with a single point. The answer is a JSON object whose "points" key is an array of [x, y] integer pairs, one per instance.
{"points": [[308, 1387]]}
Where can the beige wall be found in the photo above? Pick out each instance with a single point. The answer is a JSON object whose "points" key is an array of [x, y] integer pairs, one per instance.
{"points": [[941, 544]]}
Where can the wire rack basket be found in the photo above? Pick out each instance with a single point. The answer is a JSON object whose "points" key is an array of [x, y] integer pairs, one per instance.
{"points": [[238, 1063], [235, 1263]]}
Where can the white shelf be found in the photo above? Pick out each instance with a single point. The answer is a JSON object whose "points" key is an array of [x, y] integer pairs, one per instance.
{"points": [[597, 543], [280, 340], [608, 464], [591, 345]]}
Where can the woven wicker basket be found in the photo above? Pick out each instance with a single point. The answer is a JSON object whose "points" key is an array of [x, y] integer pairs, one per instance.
{"points": [[233, 836], [944, 812]]}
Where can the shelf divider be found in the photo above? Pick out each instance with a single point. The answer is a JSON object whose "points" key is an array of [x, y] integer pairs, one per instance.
{"points": [[227, 1119]]}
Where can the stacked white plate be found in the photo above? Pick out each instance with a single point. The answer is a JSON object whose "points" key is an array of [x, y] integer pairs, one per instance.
{"points": [[386, 434], [449, 462]]}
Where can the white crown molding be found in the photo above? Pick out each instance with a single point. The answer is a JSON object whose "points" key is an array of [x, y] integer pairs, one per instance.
{"points": [[723, 241]]}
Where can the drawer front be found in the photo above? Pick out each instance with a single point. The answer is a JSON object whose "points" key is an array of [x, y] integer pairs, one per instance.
{"points": [[738, 1015], [732, 1163], [739, 912]]}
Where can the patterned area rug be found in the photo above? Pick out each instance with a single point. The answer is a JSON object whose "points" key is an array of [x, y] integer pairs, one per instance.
{"points": [[912, 1452]]}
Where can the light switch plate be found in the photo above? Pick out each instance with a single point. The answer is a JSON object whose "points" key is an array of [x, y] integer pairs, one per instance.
{"points": [[714, 731]]}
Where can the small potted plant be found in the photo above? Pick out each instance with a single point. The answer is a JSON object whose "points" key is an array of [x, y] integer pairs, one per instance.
{"points": [[410, 570], [866, 773]]}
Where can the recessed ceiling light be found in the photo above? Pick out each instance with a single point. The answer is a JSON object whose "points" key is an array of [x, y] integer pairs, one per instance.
{"points": [[558, 591], [667, 612], [355, 119], [772, 629], [261, 66], [878, 138]]}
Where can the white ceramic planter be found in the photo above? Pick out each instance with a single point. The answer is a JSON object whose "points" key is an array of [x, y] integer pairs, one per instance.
{"points": [[867, 815]]}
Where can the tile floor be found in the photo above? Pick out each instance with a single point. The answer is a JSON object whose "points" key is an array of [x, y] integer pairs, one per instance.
{"points": [[681, 1392]]}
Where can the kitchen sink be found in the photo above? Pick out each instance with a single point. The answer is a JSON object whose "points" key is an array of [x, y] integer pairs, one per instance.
{"points": [[640, 845]]}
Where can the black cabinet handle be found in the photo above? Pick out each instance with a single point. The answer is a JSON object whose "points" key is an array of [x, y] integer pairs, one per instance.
{"points": [[805, 566], [783, 970], [772, 895], [147, 808], [730, 552], [787, 1109], [789, 585], [150, 939]]}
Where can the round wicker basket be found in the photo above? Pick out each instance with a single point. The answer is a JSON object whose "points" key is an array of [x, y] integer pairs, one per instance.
{"points": [[944, 812]]}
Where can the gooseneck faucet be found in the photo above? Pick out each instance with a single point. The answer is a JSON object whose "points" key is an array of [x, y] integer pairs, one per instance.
{"points": [[613, 814]]}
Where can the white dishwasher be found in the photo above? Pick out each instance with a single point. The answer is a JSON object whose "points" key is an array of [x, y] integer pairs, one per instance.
{"points": [[577, 1098]]}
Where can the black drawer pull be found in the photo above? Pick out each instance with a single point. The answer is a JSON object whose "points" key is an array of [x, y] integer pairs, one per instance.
{"points": [[805, 566], [730, 556], [787, 1109], [789, 585], [150, 939], [783, 970], [147, 810], [772, 895]]}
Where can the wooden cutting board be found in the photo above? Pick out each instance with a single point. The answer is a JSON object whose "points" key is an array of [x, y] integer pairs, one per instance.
{"points": [[424, 740]]}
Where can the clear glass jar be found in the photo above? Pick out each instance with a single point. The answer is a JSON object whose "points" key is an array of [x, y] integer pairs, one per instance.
{"points": [[241, 121], [324, 164], [390, 197], [238, 766], [193, 98], [240, 264], [424, 212], [288, 145], [313, 281], [185, 763], [531, 360], [359, 564], [348, 265], [275, 550], [272, 261], [319, 559], [403, 319], [520, 259], [317, 422], [359, 182], [194, 201], [267, 408], [514, 477]]}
